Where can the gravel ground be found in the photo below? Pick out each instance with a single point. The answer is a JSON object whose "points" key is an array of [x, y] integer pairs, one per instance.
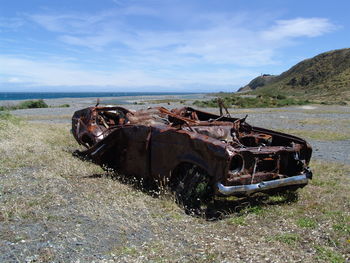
{"points": [[292, 119]]}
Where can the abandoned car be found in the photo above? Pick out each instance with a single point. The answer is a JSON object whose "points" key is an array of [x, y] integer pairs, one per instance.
{"points": [[197, 154]]}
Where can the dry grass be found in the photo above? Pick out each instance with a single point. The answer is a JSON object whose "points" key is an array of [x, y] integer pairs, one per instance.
{"points": [[46, 117], [256, 111], [322, 111], [319, 110], [57, 207], [320, 122], [315, 121], [320, 134]]}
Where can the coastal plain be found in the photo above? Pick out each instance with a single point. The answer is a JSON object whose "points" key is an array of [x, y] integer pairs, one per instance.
{"points": [[58, 208]]}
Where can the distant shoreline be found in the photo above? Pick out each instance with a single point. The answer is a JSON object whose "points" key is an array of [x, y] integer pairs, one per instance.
{"points": [[115, 100], [9, 96]]}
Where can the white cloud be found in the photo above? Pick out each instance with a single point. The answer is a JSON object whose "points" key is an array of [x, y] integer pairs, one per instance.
{"points": [[14, 80], [84, 23], [66, 74], [225, 40], [10, 23], [96, 42], [70, 74], [298, 27], [69, 23], [207, 49]]}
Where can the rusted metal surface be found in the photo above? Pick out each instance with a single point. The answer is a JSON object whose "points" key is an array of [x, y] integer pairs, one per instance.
{"points": [[239, 159]]}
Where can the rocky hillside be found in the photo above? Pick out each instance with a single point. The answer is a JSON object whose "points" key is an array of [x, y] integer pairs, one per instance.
{"points": [[258, 82], [325, 76]]}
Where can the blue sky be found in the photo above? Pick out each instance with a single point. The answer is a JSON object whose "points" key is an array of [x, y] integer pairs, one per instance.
{"points": [[160, 45]]}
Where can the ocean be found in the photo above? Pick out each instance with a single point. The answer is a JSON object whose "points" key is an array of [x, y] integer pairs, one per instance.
{"points": [[56, 95]]}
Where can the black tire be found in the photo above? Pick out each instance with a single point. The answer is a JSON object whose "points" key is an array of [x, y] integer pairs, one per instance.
{"points": [[193, 189]]}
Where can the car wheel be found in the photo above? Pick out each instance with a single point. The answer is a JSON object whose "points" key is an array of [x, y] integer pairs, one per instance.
{"points": [[193, 189]]}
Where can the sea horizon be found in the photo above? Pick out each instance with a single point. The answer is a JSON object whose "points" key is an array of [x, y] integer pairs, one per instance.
{"points": [[17, 95]]}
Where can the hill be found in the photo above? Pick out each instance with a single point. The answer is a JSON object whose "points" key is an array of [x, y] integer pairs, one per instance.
{"points": [[323, 77], [258, 82]]}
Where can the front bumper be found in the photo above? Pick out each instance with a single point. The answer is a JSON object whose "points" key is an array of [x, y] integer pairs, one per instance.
{"points": [[248, 189]]}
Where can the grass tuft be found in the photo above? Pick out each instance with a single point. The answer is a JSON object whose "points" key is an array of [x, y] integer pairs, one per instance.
{"points": [[287, 238], [237, 220], [306, 222], [63, 105], [328, 255]]}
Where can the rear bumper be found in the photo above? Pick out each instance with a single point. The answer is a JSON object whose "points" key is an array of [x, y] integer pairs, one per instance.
{"points": [[248, 189]]}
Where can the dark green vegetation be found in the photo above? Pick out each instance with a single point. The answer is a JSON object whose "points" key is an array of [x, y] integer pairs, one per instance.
{"points": [[262, 100], [64, 105], [30, 104], [323, 78], [57, 208]]}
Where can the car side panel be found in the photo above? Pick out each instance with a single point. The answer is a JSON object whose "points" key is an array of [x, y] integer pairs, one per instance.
{"points": [[170, 147], [126, 150]]}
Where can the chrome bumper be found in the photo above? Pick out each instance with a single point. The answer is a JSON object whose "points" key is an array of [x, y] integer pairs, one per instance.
{"points": [[249, 189]]}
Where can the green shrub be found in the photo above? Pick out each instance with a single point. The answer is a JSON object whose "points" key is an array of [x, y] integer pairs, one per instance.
{"points": [[342, 103], [262, 100], [280, 97], [30, 104]]}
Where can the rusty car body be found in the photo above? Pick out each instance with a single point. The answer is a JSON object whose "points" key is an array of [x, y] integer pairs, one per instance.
{"points": [[186, 147]]}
